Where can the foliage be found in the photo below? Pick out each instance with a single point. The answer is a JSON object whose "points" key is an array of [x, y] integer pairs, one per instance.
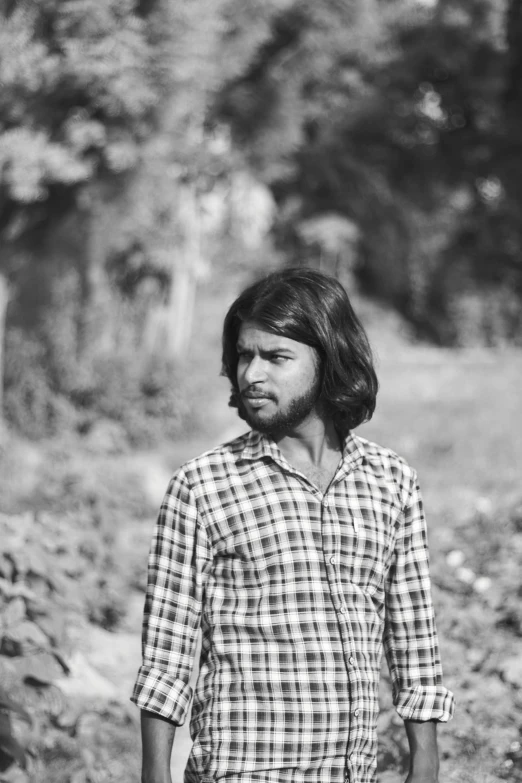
{"points": [[77, 88], [146, 401], [77, 105], [31, 405], [57, 573], [101, 139], [406, 122]]}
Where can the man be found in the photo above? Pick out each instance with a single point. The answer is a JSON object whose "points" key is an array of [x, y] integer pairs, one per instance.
{"points": [[300, 548]]}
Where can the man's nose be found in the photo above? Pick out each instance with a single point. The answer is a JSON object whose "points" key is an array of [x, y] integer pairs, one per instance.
{"points": [[255, 371]]}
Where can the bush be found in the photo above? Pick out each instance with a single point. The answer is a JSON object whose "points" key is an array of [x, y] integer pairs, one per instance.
{"points": [[31, 406], [42, 400]]}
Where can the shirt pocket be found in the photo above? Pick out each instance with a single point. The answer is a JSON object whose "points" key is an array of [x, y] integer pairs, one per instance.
{"points": [[240, 570], [367, 552]]}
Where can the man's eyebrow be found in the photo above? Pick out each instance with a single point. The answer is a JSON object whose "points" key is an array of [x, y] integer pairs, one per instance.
{"points": [[274, 349], [277, 349]]}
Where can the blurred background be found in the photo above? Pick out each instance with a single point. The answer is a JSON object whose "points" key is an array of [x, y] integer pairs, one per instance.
{"points": [[155, 157]]}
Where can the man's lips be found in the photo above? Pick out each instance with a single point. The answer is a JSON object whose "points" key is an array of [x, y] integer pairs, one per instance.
{"points": [[253, 395], [256, 399]]}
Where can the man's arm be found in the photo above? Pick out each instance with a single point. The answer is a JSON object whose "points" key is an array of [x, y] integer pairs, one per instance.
{"points": [[411, 644], [424, 755], [157, 736], [179, 563]]}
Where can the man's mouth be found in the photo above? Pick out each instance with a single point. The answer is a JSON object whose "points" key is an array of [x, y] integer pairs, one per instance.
{"points": [[255, 395], [256, 399]]}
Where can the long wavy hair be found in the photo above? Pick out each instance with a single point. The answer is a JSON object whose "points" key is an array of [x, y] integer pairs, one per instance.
{"points": [[312, 308]]}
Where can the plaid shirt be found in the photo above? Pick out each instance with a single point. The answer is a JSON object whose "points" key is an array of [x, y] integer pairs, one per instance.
{"points": [[296, 592]]}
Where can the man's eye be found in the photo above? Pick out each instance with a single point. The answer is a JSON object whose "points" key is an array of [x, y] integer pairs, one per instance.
{"points": [[279, 359]]}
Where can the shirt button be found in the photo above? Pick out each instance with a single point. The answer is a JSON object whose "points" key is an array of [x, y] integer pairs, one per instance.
{"points": [[356, 713], [332, 560], [351, 756], [351, 660], [325, 502], [342, 608]]}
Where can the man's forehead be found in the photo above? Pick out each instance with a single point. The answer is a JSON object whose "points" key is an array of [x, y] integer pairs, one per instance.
{"points": [[252, 333]]}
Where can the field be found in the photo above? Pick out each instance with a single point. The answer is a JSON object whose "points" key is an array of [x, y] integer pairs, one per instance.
{"points": [[81, 514]]}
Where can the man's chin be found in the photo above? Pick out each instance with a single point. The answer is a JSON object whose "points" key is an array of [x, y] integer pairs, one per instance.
{"points": [[272, 426], [257, 421]]}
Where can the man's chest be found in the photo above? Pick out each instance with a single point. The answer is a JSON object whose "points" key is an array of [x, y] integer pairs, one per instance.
{"points": [[277, 528]]}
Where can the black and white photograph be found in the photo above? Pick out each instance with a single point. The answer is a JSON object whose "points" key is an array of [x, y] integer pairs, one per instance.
{"points": [[260, 391]]}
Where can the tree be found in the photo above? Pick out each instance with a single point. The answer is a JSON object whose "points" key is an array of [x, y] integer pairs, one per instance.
{"points": [[78, 92], [106, 157], [400, 122]]}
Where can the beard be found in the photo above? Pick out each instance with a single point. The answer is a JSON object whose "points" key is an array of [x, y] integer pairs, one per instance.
{"points": [[283, 421]]}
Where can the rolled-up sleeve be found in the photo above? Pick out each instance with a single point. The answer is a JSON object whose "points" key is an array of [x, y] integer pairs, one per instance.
{"points": [[179, 561], [410, 636]]}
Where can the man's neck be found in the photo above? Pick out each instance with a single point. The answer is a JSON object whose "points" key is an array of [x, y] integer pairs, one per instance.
{"points": [[315, 441]]}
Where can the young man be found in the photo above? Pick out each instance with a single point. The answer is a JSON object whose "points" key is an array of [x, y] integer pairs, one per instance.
{"points": [[300, 548]]}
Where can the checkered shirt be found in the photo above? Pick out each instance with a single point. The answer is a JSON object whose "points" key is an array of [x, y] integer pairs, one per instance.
{"points": [[297, 592]]}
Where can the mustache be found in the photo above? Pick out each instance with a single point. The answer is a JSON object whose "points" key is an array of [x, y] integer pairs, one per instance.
{"points": [[253, 393]]}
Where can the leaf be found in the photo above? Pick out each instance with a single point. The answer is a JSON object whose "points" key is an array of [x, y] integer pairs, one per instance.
{"points": [[14, 775], [13, 614], [6, 568], [68, 718], [61, 660], [22, 590], [80, 776], [12, 748], [29, 634], [41, 665], [10, 647], [7, 703], [8, 743], [49, 622], [35, 681], [49, 697], [6, 587]]}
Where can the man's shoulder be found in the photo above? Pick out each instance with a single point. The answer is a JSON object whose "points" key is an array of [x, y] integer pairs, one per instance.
{"points": [[387, 463], [224, 457], [376, 453]]}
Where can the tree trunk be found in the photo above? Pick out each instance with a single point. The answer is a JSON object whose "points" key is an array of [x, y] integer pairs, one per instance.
{"points": [[4, 299], [185, 274], [91, 324], [513, 91], [168, 327]]}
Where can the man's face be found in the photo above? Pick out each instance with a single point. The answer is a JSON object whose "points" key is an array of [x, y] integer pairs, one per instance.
{"points": [[278, 380]]}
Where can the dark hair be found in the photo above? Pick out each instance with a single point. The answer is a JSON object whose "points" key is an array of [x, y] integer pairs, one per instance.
{"points": [[312, 308]]}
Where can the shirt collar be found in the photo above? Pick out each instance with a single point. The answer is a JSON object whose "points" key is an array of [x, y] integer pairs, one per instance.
{"points": [[258, 446]]}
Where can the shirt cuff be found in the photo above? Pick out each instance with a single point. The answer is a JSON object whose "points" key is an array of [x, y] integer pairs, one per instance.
{"points": [[425, 702], [157, 692]]}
